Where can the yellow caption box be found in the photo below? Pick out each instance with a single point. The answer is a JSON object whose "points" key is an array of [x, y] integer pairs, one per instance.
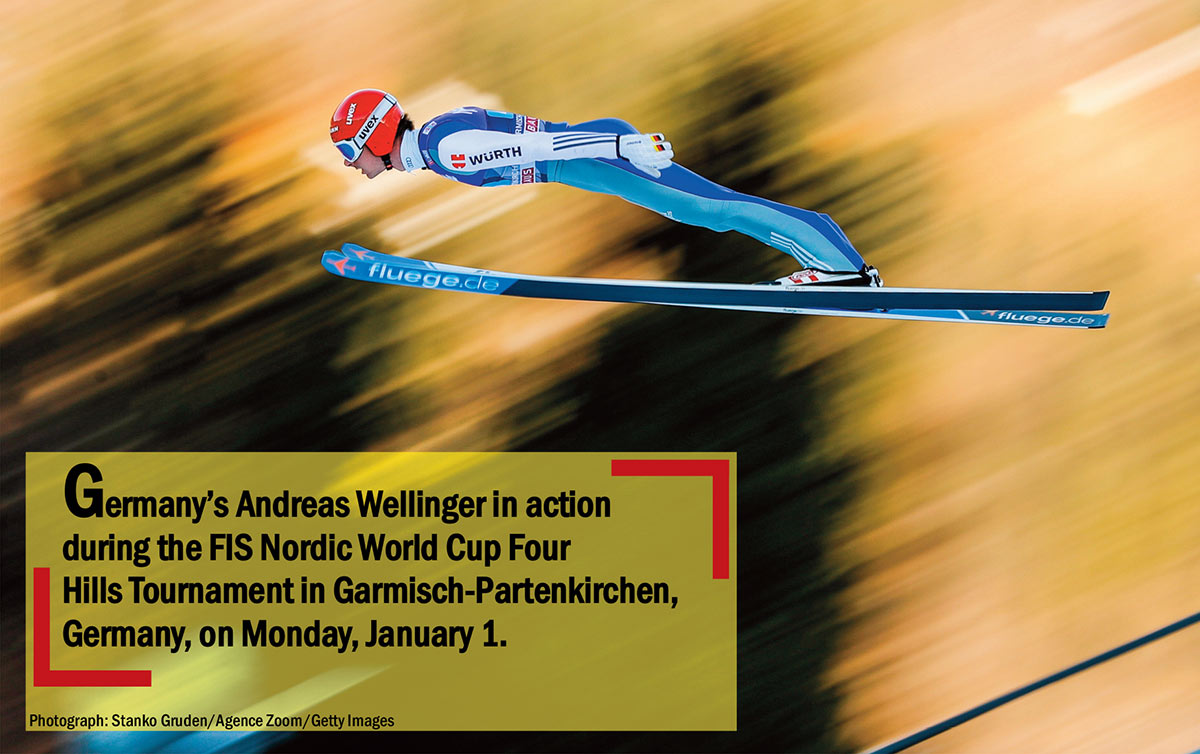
{"points": [[369, 591]]}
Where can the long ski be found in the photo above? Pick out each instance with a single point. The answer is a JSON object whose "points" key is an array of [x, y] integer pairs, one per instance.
{"points": [[1003, 307]]}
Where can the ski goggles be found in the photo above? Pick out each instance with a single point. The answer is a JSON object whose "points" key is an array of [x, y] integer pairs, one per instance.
{"points": [[351, 148]]}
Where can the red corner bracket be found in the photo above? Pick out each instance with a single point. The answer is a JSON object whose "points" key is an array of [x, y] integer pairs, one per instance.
{"points": [[718, 469], [42, 674]]}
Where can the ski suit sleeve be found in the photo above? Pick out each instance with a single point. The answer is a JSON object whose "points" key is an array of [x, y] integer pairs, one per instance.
{"points": [[475, 149]]}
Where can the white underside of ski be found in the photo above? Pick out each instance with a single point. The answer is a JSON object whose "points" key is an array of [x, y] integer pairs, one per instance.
{"points": [[1028, 308]]}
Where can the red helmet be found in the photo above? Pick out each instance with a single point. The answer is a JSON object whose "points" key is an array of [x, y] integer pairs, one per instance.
{"points": [[367, 118]]}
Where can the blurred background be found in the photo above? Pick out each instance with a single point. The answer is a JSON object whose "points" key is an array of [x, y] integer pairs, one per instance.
{"points": [[930, 514]]}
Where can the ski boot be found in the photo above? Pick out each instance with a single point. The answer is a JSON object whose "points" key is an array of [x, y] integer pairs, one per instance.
{"points": [[867, 276]]}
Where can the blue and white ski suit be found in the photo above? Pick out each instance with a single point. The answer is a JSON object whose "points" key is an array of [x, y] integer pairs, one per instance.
{"points": [[492, 148]]}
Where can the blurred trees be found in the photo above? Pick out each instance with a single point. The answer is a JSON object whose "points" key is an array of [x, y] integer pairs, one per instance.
{"points": [[171, 322], [162, 319], [670, 379]]}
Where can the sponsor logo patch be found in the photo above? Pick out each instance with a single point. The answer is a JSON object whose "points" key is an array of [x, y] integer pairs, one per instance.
{"points": [[527, 175], [453, 281], [458, 160], [495, 154], [1042, 318], [526, 124]]}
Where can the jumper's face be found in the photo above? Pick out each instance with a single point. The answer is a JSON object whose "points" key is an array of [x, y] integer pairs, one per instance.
{"points": [[368, 163]]}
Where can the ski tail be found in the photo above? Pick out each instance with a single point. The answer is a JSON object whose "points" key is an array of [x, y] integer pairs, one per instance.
{"points": [[1065, 320]]}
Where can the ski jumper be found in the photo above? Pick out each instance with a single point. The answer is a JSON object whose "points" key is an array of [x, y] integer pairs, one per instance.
{"points": [[492, 148]]}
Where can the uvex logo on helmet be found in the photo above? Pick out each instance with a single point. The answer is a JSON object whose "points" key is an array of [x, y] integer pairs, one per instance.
{"points": [[367, 119], [364, 133]]}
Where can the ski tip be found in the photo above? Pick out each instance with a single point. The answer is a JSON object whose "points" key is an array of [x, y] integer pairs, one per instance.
{"points": [[354, 251], [335, 262]]}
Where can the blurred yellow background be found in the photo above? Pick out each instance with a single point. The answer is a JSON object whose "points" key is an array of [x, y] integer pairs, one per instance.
{"points": [[991, 503]]}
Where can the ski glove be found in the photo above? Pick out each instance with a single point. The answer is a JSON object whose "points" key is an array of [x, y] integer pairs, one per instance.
{"points": [[649, 153]]}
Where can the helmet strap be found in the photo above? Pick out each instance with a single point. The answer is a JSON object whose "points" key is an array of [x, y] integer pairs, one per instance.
{"points": [[387, 161]]}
